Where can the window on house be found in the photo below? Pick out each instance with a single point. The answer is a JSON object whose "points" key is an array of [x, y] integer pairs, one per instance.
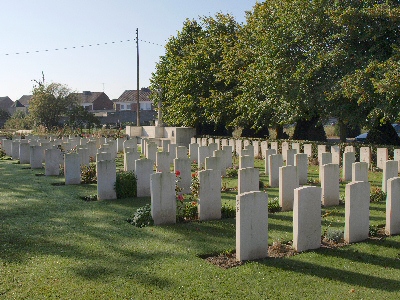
{"points": [[122, 106], [128, 106]]}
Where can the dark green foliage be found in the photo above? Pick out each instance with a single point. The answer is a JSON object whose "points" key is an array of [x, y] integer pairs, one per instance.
{"points": [[231, 172], [186, 211], [88, 174], [260, 184], [334, 234], [377, 195], [142, 217], [273, 205], [126, 184], [309, 130], [89, 198], [383, 134], [228, 212], [2, 153]]}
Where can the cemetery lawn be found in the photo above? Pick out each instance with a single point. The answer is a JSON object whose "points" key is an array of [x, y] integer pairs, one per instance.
{"points": [[54, 245]]}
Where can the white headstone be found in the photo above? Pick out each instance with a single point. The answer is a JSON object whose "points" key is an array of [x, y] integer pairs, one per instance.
{"points": [[301, 162], [251, 226], [106, 178], [163, 198], [359, 171], [24, 153], [288, 182], [308, 150], [365, 155], [248, 180], [356, 226], [267, 153], [144, 168], [264, 146], [349, 158], [275, 161], [181, 152], [330, 184], [52, 162], [381, 156], [72, 168], [209, 195], [393, 206], [290, 153], [246, 161], [163, 162], [36, 157], [194, 152], [129, 160], [335, 150], [390, 170], [184, 167], [307, 218]]}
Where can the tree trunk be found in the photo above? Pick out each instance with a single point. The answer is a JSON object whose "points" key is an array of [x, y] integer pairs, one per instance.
{"points": [[342, 131]]}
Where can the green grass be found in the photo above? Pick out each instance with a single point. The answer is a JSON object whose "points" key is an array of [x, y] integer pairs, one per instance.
{"points": [[53, 245]]}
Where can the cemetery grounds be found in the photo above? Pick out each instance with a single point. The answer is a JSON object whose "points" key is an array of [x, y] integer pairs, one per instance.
{"points": [[54, 245]]}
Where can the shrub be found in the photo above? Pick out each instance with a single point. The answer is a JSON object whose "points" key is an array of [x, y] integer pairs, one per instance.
{"points": [[273, 205], [88, 174], [231, 172], [126, 184], [228, 211], [334, 234], [2, 153], [186, 211], [142, 217], [377, 195]]}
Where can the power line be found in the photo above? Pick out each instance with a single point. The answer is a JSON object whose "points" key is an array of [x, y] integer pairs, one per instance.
{"points": [[82, 46]]}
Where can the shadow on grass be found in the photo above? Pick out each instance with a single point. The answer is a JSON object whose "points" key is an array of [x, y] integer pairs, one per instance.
{"points": [[330, 273]]}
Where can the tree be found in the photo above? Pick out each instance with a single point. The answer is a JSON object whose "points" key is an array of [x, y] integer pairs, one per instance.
{"points": [[80, 117], [19, 120], [49, 102], [4, 116], [186, 78]]}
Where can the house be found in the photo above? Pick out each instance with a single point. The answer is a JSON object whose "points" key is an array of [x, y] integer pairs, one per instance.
{"points": [[95, 101], [6, 103], [128, 100], [17, 106], [24, 100]]}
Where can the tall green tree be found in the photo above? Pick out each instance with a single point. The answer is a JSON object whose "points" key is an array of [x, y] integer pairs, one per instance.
{"points": [[186, 78], [49, 102]]}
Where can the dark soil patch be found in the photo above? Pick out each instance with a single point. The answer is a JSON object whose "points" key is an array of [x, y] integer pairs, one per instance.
{"points": [[39, 174], [279, 250], [89, 198], [58, 183]]}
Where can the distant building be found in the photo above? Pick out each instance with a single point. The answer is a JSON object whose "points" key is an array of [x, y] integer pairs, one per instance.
{"points": [[95, 101], [6, 103], [128, 100]]}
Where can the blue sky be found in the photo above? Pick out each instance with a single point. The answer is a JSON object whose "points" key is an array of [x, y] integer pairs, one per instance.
{"points": [[40, 25]]}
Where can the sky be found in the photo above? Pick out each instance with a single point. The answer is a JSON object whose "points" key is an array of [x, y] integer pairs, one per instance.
{"points": [[40, 25]]}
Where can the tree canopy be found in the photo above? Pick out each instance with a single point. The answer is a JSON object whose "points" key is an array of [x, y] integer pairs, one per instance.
{"points": [[49, 102], [294, 61]]}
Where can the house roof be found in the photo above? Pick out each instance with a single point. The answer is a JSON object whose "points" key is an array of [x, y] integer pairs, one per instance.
{"points": [[24, 100], [17, 104], [88, 96], [5, 103], [130, 96]]}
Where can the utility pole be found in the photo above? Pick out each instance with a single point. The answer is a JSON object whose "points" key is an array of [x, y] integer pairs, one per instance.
{"points": [[137, 75]]}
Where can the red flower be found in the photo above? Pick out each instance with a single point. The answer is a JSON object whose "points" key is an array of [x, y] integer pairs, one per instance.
{"points": [[177, 173], [180, 198]]}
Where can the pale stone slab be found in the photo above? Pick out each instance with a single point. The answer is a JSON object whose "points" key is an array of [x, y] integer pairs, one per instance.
{"points": [[288, 182], [15, 149], [83, 153], [382, 155], [330, 184], [248, 180], [144, 168], [53, 158], [246, 161], [256, 148], [349, 158], [325, 158], [321, 149], [194, 152], [131, 143], [103, 156], [231, 142], [267, 153], [251, 226], [396, 154], [335, 150], [214, 163], [264, 146], [365, 155], [296, 146], [349, 149], [359, 171], [393, 206], [129, 160], [165, 144], [184, 167], [275, 146], [181, 152], [172, 152], [301, 162], [151, 151], [218, 142], [285, 148], [72, 168], [307, 218], [24, 153], [290, 153], [204, 142], [163, 199], [238, 147], [91, 145], [224, 142], [36, 157], [228, 158], [120, 144], [356, 226], [307, 149], [390, 170], [212, 147], [106, 178], [163, 162], [275, 161], [6, 146], [209, 206], [222, 154], [203, 152]]}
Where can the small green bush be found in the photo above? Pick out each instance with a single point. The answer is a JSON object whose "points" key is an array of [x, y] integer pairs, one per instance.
{"points": [[273, 205], [2, 153], [334, 234], [228, 211], [142, 217], [126, 184], [88, 174], [377, 195], [186, 211], [232, 172]]}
